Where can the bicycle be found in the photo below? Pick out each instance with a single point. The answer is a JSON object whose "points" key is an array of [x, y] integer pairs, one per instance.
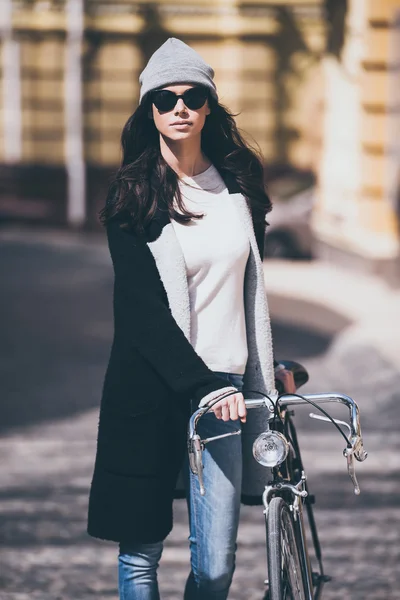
{"points": [[290, 575]]}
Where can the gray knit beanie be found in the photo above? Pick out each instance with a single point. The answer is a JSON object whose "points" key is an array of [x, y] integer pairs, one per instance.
{"points": [[175, 62]]}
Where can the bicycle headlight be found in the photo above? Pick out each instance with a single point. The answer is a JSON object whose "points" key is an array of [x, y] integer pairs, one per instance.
{"points": [[270, 448]]}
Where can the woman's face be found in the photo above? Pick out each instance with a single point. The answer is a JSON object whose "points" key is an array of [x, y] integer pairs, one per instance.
{"points": [[181, 122]]}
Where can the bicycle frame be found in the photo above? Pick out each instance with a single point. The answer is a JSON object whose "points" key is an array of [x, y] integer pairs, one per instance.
{"points": [[293, 491]]}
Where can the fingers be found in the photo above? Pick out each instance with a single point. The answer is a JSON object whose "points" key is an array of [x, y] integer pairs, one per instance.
{"points": [[221, 409], [233, 410], [225, 413], [233, 407], [217, 410], [242, 410]]}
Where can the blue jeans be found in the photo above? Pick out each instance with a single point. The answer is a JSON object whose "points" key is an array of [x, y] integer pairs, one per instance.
{"points": [[213, 519]]}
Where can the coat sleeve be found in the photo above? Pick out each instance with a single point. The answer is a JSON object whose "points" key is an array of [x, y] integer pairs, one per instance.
{"points": [[144, 322], [259, 230]]}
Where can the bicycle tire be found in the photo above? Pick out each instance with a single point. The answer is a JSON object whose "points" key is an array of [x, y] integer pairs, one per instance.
{"points": [[284, 569]]}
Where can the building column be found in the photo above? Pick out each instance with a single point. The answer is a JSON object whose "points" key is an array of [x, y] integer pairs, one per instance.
{"points": [[11, 87], [393, 120], [355, 212], [74, 144]]}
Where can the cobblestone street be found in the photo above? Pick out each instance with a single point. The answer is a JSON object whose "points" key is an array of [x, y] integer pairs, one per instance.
{"points": [[56, 334]]}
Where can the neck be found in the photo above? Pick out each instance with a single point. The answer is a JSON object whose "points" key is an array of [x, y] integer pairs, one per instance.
{"points": [[185, 157]]}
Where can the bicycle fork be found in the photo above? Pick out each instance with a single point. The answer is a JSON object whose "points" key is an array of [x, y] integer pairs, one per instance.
{"points": [[313, 582], [298, 491]]}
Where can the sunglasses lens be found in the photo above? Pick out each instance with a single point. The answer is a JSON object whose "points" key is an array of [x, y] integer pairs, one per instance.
{"points": [[164, 100], [195, 97]]}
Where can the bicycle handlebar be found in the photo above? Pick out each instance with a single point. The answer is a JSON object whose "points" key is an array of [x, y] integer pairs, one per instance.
{"points": [[355, 448]]}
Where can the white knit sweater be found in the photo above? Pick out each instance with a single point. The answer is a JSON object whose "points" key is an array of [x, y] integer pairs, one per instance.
{"points": [[215, 249]]}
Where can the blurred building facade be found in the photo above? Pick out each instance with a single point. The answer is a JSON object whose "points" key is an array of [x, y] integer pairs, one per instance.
{"points": [[358, 211], [314, 83]]}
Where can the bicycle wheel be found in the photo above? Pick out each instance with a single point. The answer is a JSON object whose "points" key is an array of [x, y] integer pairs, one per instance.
{"points": [[284, 569]]}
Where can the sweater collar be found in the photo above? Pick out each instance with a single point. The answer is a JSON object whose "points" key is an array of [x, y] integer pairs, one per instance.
{"points": [[161, 217]]}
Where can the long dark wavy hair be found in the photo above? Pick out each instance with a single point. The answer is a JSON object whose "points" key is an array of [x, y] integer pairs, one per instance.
{"points": [[145, 181]]}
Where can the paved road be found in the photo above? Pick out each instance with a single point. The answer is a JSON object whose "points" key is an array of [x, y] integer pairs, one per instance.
{"points": [[56, 331]]}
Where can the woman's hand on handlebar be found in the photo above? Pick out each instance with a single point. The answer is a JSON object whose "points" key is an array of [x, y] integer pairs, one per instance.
{"points": [[232, 407]]}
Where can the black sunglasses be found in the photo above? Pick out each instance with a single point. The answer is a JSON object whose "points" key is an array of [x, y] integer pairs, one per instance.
{"points": [[165, 100]]}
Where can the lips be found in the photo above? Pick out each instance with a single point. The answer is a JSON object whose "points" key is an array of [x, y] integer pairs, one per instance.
{"points": [[181, 123]]}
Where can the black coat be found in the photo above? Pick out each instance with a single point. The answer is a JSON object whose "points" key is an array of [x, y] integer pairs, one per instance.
{"points": [[153, 376]]}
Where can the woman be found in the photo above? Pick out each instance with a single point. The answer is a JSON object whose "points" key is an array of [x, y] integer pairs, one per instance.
{"points": [[185, 222]]}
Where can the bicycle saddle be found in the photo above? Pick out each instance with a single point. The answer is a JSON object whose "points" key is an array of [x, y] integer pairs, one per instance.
{"points": [[299, 373]]}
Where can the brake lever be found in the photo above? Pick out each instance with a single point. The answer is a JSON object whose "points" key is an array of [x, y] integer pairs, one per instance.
{"points": [[323, 418], [223, 435], [196, 455], [196, 460], [349, 454]]}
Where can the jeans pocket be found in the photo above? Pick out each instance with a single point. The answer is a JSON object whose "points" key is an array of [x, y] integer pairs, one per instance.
{"points": [[232, 378]]}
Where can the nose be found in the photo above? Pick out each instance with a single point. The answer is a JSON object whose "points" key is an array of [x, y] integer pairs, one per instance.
{"points": [[180, 106]]}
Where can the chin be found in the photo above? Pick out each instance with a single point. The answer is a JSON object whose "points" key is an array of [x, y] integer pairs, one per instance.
{"points": [[181, 135]]}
